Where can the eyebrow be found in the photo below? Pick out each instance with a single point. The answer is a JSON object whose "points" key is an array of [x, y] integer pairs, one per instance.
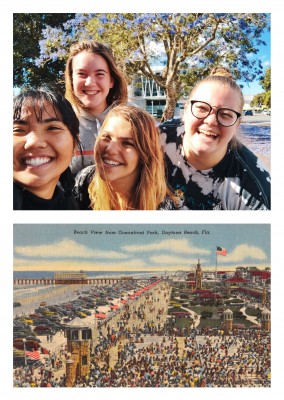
{"points": [[96, 70], [44, 121], [120, 138]]}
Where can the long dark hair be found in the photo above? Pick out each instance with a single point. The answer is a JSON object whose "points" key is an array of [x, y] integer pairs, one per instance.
{"points": [[36, 99]]}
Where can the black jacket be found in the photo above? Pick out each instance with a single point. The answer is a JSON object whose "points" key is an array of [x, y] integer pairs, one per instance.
{"points": [[25, 200]]}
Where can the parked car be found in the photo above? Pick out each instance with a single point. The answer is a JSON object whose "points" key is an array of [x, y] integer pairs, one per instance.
{"points": [[248, 112], [42, 329], [30, 345]]}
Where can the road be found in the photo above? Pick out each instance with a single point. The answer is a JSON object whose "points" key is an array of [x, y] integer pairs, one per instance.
{"points": [[263, 120]]}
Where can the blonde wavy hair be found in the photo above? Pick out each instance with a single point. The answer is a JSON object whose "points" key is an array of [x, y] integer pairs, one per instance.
{"points": [[151, 187], [117, 94]]}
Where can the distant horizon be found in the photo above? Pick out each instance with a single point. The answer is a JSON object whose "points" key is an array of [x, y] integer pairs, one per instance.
{"points": [[160, 271]]}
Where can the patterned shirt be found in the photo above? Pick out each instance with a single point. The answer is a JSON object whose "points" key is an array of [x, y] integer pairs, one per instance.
{"points": [[238, 182]]}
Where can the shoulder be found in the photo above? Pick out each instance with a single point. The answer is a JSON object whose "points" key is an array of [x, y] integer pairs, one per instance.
{"points": [[172, 129], [82, 182], [170, 204], [250, 161], [17, 197], [64, 201], [256, 177], [85, 175]]}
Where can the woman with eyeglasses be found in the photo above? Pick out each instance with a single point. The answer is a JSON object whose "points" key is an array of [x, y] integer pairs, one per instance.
{"points": [[206, 164]]}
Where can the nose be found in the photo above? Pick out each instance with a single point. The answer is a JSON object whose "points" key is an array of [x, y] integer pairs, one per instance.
{"points": [[89, 81], [35, 139], [112, 147], [212, 118]]}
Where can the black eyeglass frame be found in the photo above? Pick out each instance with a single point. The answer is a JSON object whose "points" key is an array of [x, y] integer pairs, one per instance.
{"points": [[218, 110]]}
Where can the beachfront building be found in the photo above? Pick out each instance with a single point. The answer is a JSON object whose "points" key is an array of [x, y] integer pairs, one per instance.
{"points": [[227, 324], [79, 336], [67, 278], [266, 320]]}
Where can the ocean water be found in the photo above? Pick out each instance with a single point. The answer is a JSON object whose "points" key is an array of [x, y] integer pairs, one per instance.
{"points": [[91, 274]]}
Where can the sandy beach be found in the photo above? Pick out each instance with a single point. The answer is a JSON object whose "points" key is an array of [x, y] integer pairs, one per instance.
{"points": [[30, 297]]}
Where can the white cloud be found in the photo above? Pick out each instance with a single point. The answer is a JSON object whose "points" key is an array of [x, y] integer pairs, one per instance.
{"points": [[181, 246], [164, 259], [244, 252], [66, 249]]}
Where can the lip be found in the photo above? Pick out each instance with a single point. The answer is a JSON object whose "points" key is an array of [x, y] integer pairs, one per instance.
{"points": [[208, 134], [36, 161], [90, 92], [109, 162]]}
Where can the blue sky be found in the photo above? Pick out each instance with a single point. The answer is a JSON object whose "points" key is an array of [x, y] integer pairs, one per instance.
{"points": [[264, 55], [75, 247]]}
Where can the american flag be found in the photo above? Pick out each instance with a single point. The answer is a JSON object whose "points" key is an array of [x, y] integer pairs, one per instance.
{"points": [[221, 251], [33, 355]]}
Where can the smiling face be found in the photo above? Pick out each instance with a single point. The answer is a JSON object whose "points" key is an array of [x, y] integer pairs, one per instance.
{"points": [[42, 150], [116, 155], [205, 141], [91, 81]]}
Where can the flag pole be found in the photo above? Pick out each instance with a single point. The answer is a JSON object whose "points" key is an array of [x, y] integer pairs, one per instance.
{"points": [[216, 266]]}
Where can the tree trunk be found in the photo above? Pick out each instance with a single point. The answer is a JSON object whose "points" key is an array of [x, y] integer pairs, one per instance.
{"points": [[171, 100]]}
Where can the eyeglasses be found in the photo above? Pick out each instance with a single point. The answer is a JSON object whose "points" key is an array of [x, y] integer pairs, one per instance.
{"points": [[225, 116]]}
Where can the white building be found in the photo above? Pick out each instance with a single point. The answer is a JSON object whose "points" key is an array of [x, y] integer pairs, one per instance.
{"points": [[147, 94]]}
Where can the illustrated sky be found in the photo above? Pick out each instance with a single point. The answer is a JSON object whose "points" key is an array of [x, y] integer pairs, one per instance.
{"points": [[139, 247]]}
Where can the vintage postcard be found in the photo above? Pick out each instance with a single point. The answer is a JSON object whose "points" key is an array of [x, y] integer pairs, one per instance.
{"points": [[142, 305]]}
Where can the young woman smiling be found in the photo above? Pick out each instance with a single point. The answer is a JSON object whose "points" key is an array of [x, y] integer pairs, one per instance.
{"points": [[206, 164], [45, 132], [94, 85], [129, 172]]}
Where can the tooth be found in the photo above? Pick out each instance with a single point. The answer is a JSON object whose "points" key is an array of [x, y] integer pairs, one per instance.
{"points": [[112, 163], [37, 161]]}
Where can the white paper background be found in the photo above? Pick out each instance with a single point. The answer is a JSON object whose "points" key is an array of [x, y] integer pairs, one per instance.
{"points": [[8, 217]]}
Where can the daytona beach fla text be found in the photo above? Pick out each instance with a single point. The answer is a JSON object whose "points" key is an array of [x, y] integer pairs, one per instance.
{"points": [[144, 232]]}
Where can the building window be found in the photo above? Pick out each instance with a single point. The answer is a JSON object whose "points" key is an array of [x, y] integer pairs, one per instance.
{"points": [[84, 360], [74, 335], [86, 334]]}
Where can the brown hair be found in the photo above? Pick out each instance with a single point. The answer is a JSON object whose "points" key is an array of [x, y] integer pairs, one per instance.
{"points": [[118, 93], [151, 188], [221, 75]]}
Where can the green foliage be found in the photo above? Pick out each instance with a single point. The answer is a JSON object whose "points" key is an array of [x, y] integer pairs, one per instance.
{"points": [[27, 33], [266, 81], [206, 314], [263, 100], [254, 312]]}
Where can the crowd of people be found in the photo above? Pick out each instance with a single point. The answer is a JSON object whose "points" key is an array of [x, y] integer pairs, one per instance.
{"points": [[146, 355], [92, 150]]}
